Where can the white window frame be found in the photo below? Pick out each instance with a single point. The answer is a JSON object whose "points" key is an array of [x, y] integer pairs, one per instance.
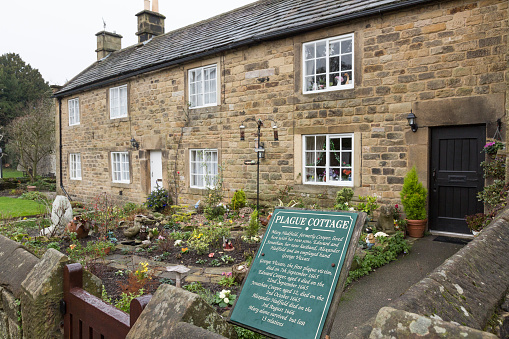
{"points": [[118, 102], [120, 167], [203, 170], [75, 166], [74, 111], [327, 171], [202, 86], [310, 61]]}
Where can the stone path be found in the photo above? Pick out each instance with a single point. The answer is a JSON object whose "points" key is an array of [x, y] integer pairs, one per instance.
{"points": [[201, 274]]}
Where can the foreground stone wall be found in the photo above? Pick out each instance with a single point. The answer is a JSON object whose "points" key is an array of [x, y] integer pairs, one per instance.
{"points": [[31, 290], [460, 296]]}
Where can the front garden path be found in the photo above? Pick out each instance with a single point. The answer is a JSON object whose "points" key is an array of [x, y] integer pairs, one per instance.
{"points": [[363, 298]]}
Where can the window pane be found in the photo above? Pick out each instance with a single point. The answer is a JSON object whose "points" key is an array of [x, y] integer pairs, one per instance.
{"points": [[346, 144], [335, 174], [321, 174], [320, 65], [309, 50], [334, 64], [346, 78], [310, 81], [192, 76], [334, 48], [334, 79], [346, 46], [346, 62], [310, 159], [213, 74], [335, 159], [321, 49], [310, 143], [321, 80], [310, 67], [310, 175], [320, 142]]}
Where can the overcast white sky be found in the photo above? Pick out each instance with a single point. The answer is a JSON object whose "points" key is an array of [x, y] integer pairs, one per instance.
{"points": [[57, 37]]}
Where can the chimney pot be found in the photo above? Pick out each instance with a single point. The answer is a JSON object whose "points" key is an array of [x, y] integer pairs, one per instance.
{"points": [[146, 4], [155, 6]]}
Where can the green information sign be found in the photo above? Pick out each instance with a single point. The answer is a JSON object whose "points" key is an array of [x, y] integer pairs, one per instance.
{"points": [[289, 288]]}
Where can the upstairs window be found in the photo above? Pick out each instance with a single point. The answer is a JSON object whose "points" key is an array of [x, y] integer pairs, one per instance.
{"points": [[120, 167], [203, 168], [75, 166], [74, 112], [328, 159], [118, 102], [328, 64], [203, 86]]}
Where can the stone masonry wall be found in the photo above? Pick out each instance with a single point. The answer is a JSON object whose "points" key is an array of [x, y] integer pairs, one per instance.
{"points": [[428, 58]]}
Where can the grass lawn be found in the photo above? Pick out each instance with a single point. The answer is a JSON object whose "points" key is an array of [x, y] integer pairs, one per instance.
{"points": [[13, 208], [11, 173]]}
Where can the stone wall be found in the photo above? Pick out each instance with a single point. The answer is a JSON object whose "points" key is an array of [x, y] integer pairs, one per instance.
{"points": [[460, 296], [446, 61], [31, 290]]}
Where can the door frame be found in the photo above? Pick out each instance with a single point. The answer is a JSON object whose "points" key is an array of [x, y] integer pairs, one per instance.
{"points": [[433, 205]]}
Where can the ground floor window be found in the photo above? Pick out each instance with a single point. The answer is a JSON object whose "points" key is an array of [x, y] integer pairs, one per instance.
{"points": [[203, 168], [328, 159], [120, 167], [75, 166]]}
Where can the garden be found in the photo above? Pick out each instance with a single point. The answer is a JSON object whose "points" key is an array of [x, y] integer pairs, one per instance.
{"points": [[133, 248]]}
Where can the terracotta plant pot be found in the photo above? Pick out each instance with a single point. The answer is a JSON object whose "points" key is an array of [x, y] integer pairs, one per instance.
{"points": [[31, 188], [416, 228]]}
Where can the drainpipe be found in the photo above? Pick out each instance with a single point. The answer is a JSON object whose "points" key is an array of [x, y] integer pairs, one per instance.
{"points": [[60, 147]]}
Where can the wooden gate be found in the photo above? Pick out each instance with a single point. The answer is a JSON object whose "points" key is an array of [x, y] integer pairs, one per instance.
{"points": [[88, 317], [455, 176]]}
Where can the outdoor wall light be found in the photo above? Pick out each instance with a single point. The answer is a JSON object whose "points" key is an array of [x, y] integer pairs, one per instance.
{"points": [[276, 134], [242, 132], [411, 121], [135, 144]]}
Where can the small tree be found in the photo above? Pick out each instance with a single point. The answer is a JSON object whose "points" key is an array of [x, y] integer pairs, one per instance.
{"points": [[32, 135], [413, 196]]}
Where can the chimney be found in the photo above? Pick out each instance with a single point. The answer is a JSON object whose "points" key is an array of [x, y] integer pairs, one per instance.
{"points": [[107, 42], [150, 22]]}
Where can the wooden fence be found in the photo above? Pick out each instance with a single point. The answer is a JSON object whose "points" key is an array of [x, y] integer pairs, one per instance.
{"points": [[88, 317]]}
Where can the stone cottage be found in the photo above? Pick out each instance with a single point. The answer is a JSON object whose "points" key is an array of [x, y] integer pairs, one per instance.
{"points": [[337, 82]]}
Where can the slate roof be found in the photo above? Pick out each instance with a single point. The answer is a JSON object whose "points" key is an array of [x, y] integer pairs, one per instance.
{"points": [[256, 22]]}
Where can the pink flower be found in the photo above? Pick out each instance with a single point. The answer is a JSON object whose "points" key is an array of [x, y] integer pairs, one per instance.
{"points": [[211, 255], [396, 206]]}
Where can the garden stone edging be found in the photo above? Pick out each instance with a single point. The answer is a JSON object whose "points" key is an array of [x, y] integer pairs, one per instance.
{"points": [[465, 290]]}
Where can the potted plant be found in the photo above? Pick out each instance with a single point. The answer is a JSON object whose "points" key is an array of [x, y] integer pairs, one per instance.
{"points": [[413, 197]]}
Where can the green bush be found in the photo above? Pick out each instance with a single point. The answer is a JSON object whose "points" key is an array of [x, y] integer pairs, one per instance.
{"points": [[413, 196], [254, 225], [238, 200], [34, 195], [158, 199], [343, 198]]}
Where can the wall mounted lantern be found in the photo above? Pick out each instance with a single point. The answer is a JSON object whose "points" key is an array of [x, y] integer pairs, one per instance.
{"points": [[411, 121], [242, 132], [135, 144]]}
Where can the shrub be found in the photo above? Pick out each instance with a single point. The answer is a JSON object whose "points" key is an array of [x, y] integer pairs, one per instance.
{"points": [[254, 225], [413, 196], [343, 198], [158, 199], [238, 200], [368, 204], [477, 222], [36, 196]]}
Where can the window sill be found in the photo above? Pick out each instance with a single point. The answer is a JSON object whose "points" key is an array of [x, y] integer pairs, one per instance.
{"points": [[119, 119], [73, 125], [339, 184], [121, 184], [76, 179], [330, 89]]}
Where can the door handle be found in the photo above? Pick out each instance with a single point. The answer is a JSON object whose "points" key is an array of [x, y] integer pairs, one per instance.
{"points": [[434, 174]]}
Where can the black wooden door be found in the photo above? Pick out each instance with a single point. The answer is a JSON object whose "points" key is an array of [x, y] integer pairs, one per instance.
{"points": [[455, 176]]}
